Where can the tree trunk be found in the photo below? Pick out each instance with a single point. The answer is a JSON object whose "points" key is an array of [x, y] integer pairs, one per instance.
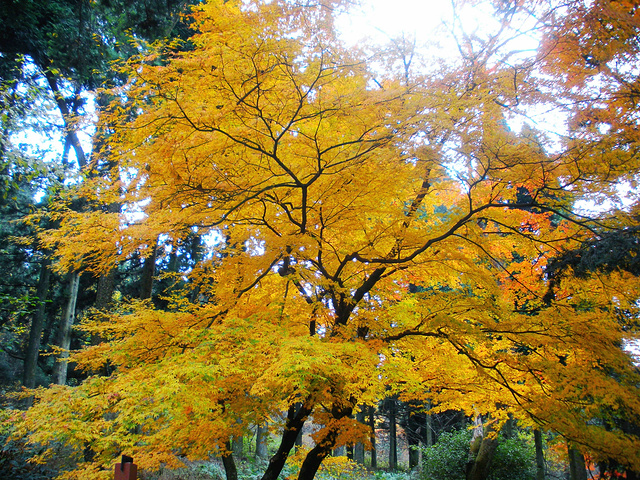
{"points": [[237, 446], [372, 426], [148, 272], [349, 449], [481, 453], [37, 326], [261, 441], [393, 443], [509, 428], [537, 438], [295, 422], [577, 467], [317, 454], [228, 463], [64, 339], [358, 451], [429, 426], [298, 406], [413, 436], [105, 288]]}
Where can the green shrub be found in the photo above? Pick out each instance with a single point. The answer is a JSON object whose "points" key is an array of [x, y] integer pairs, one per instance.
{"points": [[447, 459], [514, 458]]}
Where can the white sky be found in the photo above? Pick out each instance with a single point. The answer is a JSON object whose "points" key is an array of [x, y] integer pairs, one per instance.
{"points": [[381, 19]]}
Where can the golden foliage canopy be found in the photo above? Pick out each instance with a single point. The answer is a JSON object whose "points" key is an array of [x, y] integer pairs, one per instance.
{"points": [[366, 233]]}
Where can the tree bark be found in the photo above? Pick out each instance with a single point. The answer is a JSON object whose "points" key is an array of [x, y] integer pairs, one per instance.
{"points": [[295, 422], [37, 326], [413, 435], [64, 339], [104, 289], [298, 442], [429, 426], [577, 467], [481, 454], [358, 451], [317, 454], [393, 441], [261, 443], [70, 132], [148, 272], [537, 438], [372, 426], [228, 463], [349, 449]]}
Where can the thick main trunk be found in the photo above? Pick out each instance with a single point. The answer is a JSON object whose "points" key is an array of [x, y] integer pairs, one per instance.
{"points": [[317, 454], [295, 422], [229, 464], [64, 339], [37, 326]]}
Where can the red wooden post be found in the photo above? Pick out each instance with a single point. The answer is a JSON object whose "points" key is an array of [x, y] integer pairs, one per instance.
{"points": [[126, 470]]}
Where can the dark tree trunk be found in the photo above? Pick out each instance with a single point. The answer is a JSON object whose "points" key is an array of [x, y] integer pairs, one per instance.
{"points": [[37, 326], [509, 428], [537, 438], [64, 339], [105, 288], [480, 462], [429, 426], [298, 406], [393, 441], [295, 422], [228, 463], [317, 454], [358, 451], [577, 467], [372, 426], [148, 272], [413, 435]]}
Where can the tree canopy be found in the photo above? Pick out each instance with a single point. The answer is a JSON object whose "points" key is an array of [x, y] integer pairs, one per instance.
{"points": [[364, 230]]}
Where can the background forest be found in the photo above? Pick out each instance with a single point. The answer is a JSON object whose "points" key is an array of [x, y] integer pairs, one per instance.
{"points": [[235, 245]]}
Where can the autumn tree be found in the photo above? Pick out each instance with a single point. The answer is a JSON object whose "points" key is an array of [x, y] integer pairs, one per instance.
{"points": [[324, 189]]}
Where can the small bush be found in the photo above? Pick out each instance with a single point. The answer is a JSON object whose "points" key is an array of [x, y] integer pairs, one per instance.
{"points": [[447, 459], [514, 458]]}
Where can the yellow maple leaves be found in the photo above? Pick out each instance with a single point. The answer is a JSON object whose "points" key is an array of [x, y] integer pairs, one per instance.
{"points": [[364, 237]]}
